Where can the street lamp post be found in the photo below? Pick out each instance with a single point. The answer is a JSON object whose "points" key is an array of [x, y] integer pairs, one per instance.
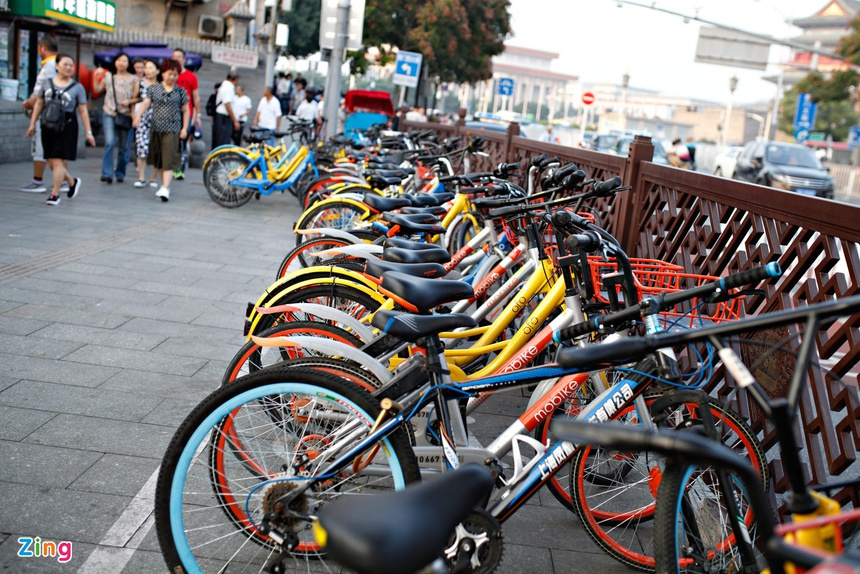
{"points": [[625, 81], [733, 84]]}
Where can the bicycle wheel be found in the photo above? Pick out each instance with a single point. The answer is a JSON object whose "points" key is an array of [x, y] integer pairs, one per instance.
{"points": [[301, 255], [255, 440], [334, 215], [223, 168], [338, 296], [252, 357], [614, 493], [692, 527]]}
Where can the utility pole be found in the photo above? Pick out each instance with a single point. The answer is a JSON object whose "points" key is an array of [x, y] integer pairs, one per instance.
{"points": [[733, 84], [332, 89]]}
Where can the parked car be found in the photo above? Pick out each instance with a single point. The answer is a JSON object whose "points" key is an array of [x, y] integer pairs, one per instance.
{"points": [[602, 142], [622, 147], [792, 167], [725, 162]]}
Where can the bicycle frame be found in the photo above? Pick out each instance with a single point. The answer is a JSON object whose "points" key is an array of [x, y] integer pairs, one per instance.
{"points": [[263, 185]]}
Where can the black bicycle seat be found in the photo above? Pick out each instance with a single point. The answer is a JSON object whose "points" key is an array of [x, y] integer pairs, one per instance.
{"points": [[380, 204], [411, 328], [402, 531], [376, 267], [429, 199], [397, 255], [379, 181], [401, 243], [409, 225], [433, 210], [421, 295]]}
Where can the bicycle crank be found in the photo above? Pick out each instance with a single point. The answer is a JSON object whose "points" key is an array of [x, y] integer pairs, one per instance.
{"points": [[476, 545]]}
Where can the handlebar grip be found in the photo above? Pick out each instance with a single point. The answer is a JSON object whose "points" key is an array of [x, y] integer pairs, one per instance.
{"points": [[751, 276], [621, 351], [607, 186], [573, 180], [538, 160], [587, 242]]}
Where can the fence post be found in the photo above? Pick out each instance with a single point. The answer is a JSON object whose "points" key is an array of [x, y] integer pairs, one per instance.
{"points": [[626, 206], [513, 131], [461, 121]]}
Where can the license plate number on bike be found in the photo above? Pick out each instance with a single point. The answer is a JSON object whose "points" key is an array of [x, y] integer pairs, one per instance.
{"points": [[804, 191]]}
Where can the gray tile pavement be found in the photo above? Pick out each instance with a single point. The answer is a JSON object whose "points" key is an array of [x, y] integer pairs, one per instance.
{"points": [[119, 313]]}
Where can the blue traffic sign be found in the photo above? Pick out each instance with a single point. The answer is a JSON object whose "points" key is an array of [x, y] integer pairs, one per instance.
{"points": [[854, 137], [407, 66], [804, 117], [506, 86]]}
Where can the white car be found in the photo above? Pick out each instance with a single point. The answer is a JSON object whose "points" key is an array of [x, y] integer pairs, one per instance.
{"points": [[725, 162]]}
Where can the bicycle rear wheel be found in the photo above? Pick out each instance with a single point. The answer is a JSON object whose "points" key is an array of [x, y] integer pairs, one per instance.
{"points": [[254, 440], [614, 493], [222, 168]]}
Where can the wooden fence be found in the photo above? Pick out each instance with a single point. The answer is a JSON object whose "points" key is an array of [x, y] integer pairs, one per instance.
{"points": [[717, 226]]}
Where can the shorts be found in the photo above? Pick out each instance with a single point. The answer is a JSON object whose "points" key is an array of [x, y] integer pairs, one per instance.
{"points": [[164, 151], [64, 144]]}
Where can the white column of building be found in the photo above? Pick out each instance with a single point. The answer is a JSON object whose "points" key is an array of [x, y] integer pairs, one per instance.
{"points": [[541, 96], [527, 90]]}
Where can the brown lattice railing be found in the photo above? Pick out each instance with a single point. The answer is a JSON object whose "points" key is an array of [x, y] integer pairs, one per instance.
{"points": [[716, 226]]}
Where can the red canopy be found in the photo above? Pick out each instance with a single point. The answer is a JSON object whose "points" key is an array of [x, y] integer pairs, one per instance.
{"points": [[369, 101]]}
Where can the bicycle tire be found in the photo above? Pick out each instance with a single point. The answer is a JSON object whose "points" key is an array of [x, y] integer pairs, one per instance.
{"points": [[199, 520], [688, 494], [618, 515], [252, 357], [224, 167], [337, 295], [333, 215], [299, 258]]}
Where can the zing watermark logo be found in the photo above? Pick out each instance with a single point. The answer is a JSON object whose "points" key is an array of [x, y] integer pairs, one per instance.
{"points": [[38, 548]]}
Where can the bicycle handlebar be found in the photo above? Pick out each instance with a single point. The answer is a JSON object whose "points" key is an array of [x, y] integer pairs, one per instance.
{"points": [[666, 301]]}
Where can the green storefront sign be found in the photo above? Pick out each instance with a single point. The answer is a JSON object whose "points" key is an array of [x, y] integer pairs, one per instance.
{"points": [[94, 14]]}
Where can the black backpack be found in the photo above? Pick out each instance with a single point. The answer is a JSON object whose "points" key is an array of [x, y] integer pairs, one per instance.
{"points": [[210, 105], [53, 115]]}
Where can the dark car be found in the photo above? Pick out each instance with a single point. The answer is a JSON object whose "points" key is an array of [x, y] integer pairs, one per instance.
{"points": [[622, 147], [602, 142], [787, 166]]}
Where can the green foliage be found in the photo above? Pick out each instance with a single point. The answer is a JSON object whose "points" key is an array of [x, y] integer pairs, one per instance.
{"points": [[849, 44], [835, 114], [304, 23]]}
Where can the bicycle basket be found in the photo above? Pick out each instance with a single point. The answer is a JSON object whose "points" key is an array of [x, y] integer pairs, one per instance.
{"points": [[654, 277]]}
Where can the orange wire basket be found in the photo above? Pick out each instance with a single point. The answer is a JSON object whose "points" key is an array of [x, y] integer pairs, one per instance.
{"points": [[654, 277]]}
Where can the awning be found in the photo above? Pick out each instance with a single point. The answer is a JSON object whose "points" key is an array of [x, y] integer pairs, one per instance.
{"points": [[91, 14]]}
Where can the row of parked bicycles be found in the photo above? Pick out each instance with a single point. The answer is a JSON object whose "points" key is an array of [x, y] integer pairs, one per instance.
{"points": [[416, 290]]}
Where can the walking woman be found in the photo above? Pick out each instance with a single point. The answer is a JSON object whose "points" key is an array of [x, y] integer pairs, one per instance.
{"points": [[61, 145], [119, 97], [144, 129], [170, 115]]}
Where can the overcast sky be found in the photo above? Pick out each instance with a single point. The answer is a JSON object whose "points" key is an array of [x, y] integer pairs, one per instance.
{"points": [[599, 42]]}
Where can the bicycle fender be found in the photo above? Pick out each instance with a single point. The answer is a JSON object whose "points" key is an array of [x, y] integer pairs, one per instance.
{"points": [[335, 233], [329, 348], [328, 313], [362, 251], [226, 147], [335, 201], [347, 195]]}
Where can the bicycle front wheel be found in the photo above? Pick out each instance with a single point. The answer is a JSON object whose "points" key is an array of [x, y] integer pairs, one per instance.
{"points": [[614, 493], [222, 168], [254, 441], [693, 527]]}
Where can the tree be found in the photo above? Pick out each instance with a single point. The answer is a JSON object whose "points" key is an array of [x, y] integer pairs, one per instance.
{"points": [[849, 44], [831, 94], [304, 23]]}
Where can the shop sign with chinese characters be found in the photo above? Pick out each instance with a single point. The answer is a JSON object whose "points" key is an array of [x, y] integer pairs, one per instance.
{"points": [[93, 14]]}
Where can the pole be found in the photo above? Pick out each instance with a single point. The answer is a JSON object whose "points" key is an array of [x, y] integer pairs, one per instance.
{"points": [[332, 92], [733, 84], [774, 122]]}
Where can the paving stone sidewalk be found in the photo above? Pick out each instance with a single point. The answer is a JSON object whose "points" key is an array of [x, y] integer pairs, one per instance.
{"points": [[118, 313]]}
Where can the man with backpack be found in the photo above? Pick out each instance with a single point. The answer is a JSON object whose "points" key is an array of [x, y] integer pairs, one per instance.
{"points": [[48, 53]]}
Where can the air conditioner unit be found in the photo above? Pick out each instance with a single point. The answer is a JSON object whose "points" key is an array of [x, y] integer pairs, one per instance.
{"points": [[211, 27]]}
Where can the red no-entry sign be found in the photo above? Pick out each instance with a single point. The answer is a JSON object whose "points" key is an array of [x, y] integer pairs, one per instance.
{"points": [[587, 98]]}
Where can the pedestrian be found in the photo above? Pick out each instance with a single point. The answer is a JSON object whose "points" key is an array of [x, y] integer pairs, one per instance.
{"points": [[47, 49], [308, 110], [298, 94], [225, 119], [188, 81], [284, 91], [242, 108], [118, 87], [691, 147], [138, 65], [170, 116], [143, 131], [268, 114], [60, 132], [679, 155], [548, 136], [210, 103]]}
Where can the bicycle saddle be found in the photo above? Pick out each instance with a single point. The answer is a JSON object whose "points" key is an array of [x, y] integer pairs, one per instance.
{"points": [[401, 243], [433, 210], [406, 530], [379, 181], [410, 226], [379, 203], [429, 199], [393, 171], [421, 295], [398, 255], [411, 328], [376, 267], [373, 164]]}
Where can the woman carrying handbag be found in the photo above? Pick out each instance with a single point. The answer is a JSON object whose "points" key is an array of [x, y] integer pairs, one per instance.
{"points": [[116, 119]]}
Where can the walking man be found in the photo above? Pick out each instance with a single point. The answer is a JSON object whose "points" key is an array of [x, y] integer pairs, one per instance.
{"points": [[48, 53], [226, 120], [188, 81]]}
